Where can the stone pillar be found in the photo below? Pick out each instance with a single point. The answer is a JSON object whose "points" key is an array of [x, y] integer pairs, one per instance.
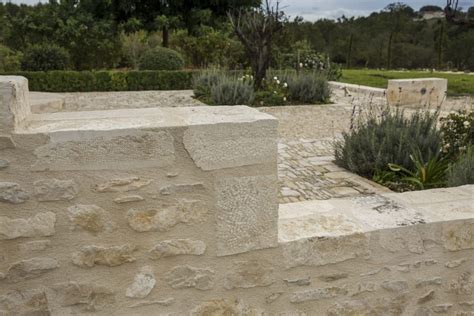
{"points": [[14, 106], [417, 92]]}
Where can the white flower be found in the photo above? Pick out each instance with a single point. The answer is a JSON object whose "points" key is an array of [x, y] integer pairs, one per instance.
{"points": [[466, 124], [301, 65], [274, 92], [278, 81], [285, 85], [284, 99], [275, 78]]}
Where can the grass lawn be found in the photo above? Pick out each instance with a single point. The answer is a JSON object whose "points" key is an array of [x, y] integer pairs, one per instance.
{"points": [[458, 84]]}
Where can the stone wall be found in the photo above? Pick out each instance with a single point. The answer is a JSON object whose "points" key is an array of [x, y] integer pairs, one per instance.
{"points": [[174, 211]]}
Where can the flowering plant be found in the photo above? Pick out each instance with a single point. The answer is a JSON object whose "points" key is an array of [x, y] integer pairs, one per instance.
{"points": [[274, 92], [457, 130]]}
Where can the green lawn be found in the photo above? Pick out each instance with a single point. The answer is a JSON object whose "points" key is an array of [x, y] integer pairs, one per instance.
{"points": [[458, 84]]}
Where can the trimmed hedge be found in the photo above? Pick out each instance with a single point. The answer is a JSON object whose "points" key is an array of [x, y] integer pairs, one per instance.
{"points": [[88, 81]]}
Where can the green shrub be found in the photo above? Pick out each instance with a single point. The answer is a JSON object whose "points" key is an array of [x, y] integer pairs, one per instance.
{"points": [[86, 81], [308, 88], [203, 83], [457, 130], [274, 91], [45, 58], [160, 58], [388, 137], [462, 172], [231, 91], [9, 60]]}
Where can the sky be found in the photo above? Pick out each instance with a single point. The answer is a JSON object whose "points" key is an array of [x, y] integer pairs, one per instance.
{"points": [[314, 9]]}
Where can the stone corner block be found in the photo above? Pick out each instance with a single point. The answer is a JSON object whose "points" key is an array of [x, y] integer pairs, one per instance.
{"points": [[247, 214], [15, 107], [417, 92]]}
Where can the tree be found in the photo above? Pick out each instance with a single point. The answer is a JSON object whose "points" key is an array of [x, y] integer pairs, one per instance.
{"points": [[256, 29], [454, 15]]}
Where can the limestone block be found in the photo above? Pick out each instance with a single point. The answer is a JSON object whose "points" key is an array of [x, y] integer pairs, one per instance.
{"points": [[396, 286], [462, 285], [247, 214], [164, 302], [91, 218], [325, 250], [118, 150], [221, 307], [27, 302], [455, 263], [143, 284], [128, 199], [6, 142], [36, 245], [417, 92], [317, 294], [30, 268], [429, 282], [298, 282], [122, 185], [40, 225], [181, 277], [459, 235], [333, 277], [4, 164], [182, 188], [12, 193], [88, 256], [229, 145], [55, 190], [86, 297], [14, 107], [176, 247], [249, 274]]}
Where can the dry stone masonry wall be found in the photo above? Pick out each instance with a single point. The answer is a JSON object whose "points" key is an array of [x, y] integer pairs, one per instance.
{"points": [[174, 212]]}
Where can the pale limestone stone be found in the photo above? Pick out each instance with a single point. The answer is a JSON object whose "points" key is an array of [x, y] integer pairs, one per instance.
{"points": [[395, 305], [429, 282], [323, 251], [176, 247], [128, 199], [249, 274], [317, 294], [364, 287], [417, 92], [143, 284], [467, 303], [30, 268], [86, 297], [181, 277], [182, 188], [14, 108], [122, 185], [37, 245], [298, 282], [6, 142], [103, 150], [40, 225], [463, 285], [395, 286], [442, 308], [397, 240], [224, 307], [458, 236], [333, 277], [164, 302], [244, 223], [273, 297], [455, 263], [12, 193], [187, 211], [90, 218], [220, 146], [24, 302], [428, 296], [55, 190], [88, 256], [4, 164]]}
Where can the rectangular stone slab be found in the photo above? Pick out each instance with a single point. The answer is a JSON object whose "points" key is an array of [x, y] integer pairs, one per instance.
{"points": [[417, 92]]}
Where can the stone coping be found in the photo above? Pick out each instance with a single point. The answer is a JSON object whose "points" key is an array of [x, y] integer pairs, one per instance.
{"points": [[340, 217], [147, 118], [417, 79]]}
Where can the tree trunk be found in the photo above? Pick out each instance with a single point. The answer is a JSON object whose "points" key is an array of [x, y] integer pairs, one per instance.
{"points": [[389, 52], [166, 36], [349, 53]]}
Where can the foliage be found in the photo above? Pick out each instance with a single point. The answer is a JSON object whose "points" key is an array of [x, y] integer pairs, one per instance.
{"points": [[133, 46], [87, 81], [458, 132], [231, 91], [9, 60], [45, 58], [462, 172], [274, 91], [426, 174], [378, 138], [308, 88], [203, 83], [160, 58]]}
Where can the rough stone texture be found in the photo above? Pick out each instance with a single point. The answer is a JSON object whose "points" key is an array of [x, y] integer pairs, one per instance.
{"points": [[143, 284], [14, 108], [55, 190], [30, 268], [164, 219], [84, 297], [245, 223], [40, 225], [249, 274], [88, 256], [24, 302], [181, 277], [31, 246], [164, 302], [122, 185], [182, 188], [12, 193], [176, 247], [4, 164], [232, 145], [459, 236], [395, 286], [317, 294], [90, 218], [417, 92], [128, 199]]}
